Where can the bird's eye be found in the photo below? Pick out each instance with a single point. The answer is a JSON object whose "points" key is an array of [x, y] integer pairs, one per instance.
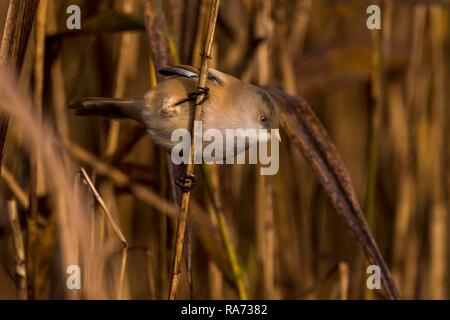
{"points": [[263, 119]]}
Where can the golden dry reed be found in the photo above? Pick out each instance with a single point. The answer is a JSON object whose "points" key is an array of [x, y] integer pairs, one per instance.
{"points": [[366, 139]]}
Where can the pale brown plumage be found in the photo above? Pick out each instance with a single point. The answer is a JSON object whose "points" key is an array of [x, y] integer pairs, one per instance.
{"points": [[231, 104]]}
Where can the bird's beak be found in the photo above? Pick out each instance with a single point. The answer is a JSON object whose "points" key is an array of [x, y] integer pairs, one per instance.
{"points": [[276, 134]]}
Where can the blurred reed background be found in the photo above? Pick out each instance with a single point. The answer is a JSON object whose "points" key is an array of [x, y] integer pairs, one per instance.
{"points": [[382, 96]]}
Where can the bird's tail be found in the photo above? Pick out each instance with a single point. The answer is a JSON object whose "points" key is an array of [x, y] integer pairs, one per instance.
{"points": [[109, 108]]}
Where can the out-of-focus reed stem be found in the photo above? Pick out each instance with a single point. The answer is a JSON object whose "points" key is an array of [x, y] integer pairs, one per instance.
{"points": [[212, 177], [399, 130], [414, 91], [265, 226], [156, 30], [298, 253], [19, 21], [265, 235], [200, 32], [375, 119], [116, 229], [19, 251], [215, 283], [344, 280], [57, 85], [439, 213], [380, 54], [296, 33], [35, 177], [124, 58], [14, 187]]}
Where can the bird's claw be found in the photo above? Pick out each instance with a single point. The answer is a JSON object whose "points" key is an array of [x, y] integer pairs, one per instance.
{"points": [[186, 182], [200, 91]]}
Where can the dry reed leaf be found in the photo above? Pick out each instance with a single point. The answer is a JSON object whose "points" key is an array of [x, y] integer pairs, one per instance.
{"points": [[306, 132]]}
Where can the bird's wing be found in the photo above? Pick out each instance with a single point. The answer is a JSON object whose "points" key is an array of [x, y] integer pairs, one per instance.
{"points": [[192, 73], [180, 70]]}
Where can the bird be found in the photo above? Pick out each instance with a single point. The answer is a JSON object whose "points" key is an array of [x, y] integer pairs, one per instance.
{"points": [[227, 103]]}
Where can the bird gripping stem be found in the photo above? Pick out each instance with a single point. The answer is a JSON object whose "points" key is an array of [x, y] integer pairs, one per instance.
{"points": [[185, 198]]}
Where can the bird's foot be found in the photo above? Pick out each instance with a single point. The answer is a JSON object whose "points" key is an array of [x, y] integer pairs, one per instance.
{"points": [[186, 182], [201, 91]]}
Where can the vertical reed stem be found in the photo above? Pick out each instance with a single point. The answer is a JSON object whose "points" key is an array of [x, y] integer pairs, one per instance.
{"points": [[19, 22], [32, 231], [184, 206]]}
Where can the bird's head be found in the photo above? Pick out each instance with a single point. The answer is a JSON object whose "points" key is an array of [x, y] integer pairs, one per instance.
{"points": [[264, 112]]}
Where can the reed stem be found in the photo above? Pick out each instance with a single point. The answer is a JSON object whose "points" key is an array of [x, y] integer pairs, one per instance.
{"points": [[184, 206]]}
